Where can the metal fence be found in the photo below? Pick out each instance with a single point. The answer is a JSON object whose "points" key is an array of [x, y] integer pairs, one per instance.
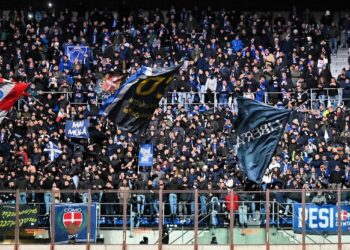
{"points": [[213, 100], [208, 211]]}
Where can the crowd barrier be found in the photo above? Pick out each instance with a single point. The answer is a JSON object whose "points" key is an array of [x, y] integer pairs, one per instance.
{"points": [[174, 217], [213, 100]]}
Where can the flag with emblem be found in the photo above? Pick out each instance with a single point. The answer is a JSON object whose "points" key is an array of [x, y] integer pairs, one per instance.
{"points": [[53, 150], [72, 223], [111, 83], [10, 92]]}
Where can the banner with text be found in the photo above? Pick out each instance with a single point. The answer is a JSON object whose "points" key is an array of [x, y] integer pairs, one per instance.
{"points": [[28, 217], [322, 218], [71, 223], [77, 129], [260, 127]]}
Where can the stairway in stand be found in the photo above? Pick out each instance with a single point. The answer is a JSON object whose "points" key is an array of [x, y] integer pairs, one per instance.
{"points": [[339, 61]]}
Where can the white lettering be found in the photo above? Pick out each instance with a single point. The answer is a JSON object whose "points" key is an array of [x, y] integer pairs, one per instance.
{"points": [[324, 218], [78, 124], [77, 132], [300, 216], [313, 217], [71, 209], [331, 217], [258, 132]]}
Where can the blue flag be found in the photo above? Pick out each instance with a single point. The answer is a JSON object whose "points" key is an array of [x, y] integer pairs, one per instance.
{"points": [[53, 150], [134, 103], [146, 155], [259, 130], [82, 53], [71, 223], [77, 129]]}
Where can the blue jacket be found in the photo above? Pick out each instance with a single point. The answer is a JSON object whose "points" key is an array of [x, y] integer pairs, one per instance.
{"points": [[237, 45]]}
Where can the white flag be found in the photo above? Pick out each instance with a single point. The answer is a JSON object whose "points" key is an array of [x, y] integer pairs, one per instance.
{"points": [[326, 136]]}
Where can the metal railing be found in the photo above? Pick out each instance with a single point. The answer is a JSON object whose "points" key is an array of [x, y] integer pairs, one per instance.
{"points": [[271, 213], [190, 99]]}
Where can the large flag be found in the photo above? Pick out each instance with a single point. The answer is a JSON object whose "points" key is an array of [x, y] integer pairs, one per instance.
{"points": [[53, 150], [10, 92], [259, 129], [133, 104]]}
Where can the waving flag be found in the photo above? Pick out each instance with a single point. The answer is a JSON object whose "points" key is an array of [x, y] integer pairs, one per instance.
{"points": [[10, 92], [259, 130], [53, 150], [133, 104], [111, 83]]}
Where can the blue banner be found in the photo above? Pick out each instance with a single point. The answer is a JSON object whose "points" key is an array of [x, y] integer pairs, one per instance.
{"points": [[259, 129], [77, 129], [321, 218], [146, 155], [71, 223], [77, 52]]}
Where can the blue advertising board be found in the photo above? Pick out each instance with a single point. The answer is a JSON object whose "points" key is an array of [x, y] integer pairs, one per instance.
{"points": [[321, 218]]}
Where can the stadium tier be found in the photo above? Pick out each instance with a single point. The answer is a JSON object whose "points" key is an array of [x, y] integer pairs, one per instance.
{"points": [[174, 127]]}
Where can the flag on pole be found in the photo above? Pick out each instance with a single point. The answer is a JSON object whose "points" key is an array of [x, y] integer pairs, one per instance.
{"points": [[133, 104], [53, 150], [10, 92], [259, 130]]}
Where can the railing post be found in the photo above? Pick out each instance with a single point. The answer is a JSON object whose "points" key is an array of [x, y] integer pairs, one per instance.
{"points": [[125, 196], [232, 219], [196, 219], [265, 97], [88, 220], [339, 220], [160, 219], [52, 220], [311, 98], [17, 221], [303, 219], [340, 96], [267, 205]]}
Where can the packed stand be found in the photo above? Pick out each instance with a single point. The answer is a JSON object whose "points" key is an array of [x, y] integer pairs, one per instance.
{"points": [[227, 54]]}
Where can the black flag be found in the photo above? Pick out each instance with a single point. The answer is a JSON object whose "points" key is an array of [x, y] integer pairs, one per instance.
{"points": [[259, 129], [133, 104]]}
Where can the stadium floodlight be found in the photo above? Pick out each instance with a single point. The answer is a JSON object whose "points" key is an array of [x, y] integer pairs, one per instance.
{"points": [[49, 4], [30, 15]]}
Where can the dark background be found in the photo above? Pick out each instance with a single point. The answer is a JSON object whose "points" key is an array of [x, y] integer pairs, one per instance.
{"points": [[126, 5]]}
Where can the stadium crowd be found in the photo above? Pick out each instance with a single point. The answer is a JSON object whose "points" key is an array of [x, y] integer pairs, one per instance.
{"points": [[227, 54]]}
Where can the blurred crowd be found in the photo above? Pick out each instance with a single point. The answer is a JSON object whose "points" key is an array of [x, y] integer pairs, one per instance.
{"points": [[227, 54]]}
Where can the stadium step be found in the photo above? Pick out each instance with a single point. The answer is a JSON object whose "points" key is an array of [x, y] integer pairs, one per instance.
{"points": [[339, 61]]}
